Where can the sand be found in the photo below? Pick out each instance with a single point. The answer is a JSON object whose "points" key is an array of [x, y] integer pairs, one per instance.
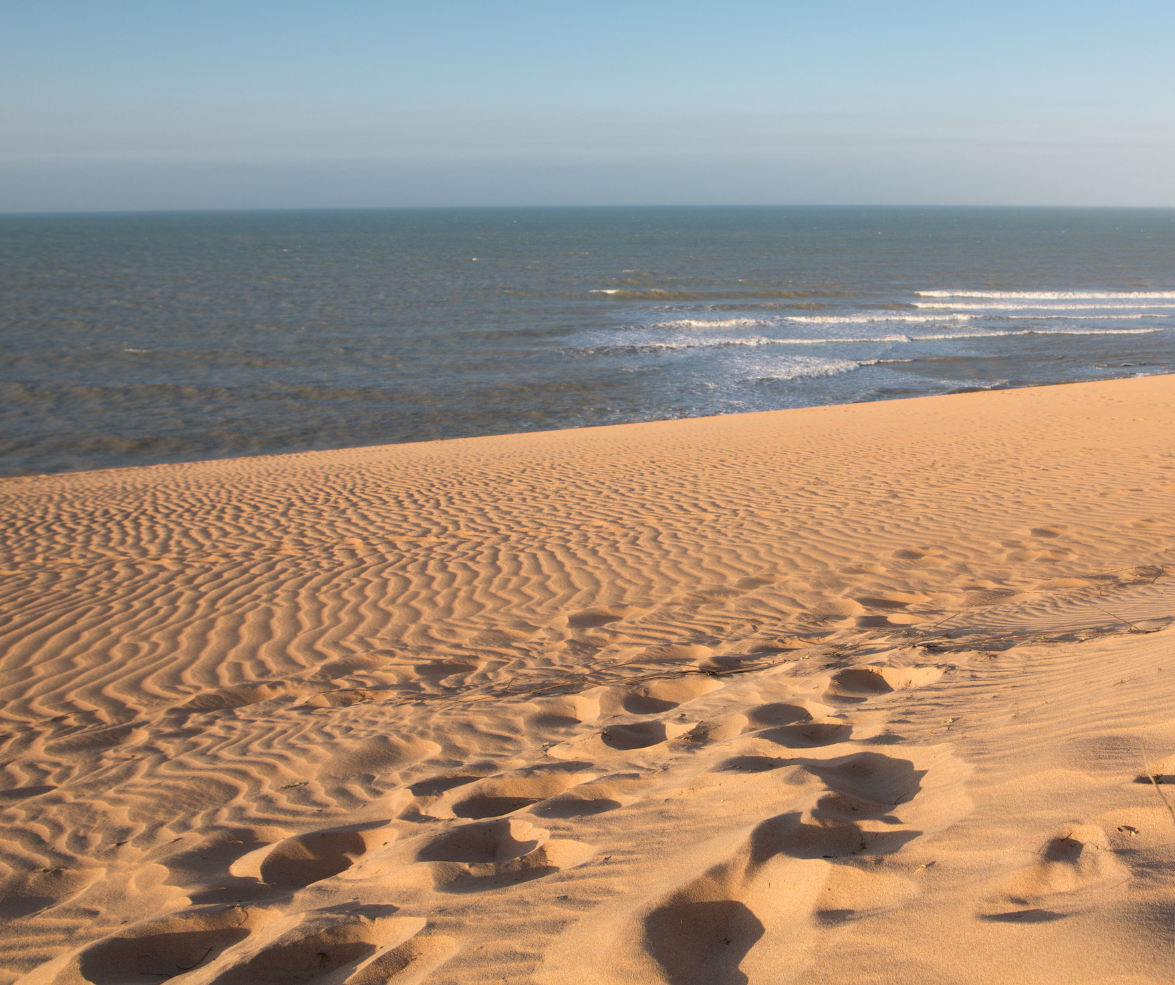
{"points": [[849, 694]]}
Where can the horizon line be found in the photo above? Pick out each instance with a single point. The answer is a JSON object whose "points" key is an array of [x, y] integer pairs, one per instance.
{"points": [[228, 210]]}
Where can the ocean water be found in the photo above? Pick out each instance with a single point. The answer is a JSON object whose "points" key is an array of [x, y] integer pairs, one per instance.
{"points": [[135, 339]]}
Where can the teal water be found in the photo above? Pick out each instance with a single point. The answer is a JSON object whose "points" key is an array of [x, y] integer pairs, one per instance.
{"points": [[135, 339]]}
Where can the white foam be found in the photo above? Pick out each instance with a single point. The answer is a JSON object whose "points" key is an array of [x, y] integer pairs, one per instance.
{"points": [[760, 340], [757, 341], [862, 319], [805, 368], [1039, 331], [867, 319], [842, 341], [1039, 307], [750, 341], [605, 290], [704, 323], [994, 333], [1049, 295]]}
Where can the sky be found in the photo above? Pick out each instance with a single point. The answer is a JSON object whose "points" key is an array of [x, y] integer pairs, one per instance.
{"points": [[165, 104]]}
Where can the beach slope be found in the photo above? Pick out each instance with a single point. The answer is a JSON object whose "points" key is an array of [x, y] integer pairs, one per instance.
{"points": [[868, 693]]}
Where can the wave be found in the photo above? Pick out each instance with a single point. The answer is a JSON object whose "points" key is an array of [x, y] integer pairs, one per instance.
{"points": [[705, 324], [747, 342], [864, 319], [658, 294], [757, 341], [715, 323], [1049, 295], [1038, 331], [842, 341], [656, 347], [1041, 307], [824, 367]]}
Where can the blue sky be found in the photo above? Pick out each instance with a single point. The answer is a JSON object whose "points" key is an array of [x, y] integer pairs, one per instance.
{"points": [[163, 104]]}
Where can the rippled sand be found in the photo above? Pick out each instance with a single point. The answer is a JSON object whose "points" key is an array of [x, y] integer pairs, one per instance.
{"points": [[855, 693]]}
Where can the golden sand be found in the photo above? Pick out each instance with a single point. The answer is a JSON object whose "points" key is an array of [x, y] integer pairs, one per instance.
{"points": [[848, 694]]}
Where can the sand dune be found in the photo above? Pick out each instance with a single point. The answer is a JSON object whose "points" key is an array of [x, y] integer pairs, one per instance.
{"points": [[851, 693]]}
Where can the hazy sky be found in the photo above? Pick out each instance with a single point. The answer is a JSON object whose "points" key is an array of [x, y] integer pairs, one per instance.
{"points": [[258, 104]]}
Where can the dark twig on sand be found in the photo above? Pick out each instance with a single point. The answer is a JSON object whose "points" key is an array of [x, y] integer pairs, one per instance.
{"points": [[1126, 622], [1155, 783]]}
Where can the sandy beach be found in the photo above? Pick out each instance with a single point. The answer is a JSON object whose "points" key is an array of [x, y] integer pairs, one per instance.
{"points": [[853, 693]]}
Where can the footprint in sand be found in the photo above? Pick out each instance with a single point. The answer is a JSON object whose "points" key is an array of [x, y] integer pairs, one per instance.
{"points": [[809, 735], [498, 795], [792, 727], [858, 684], [630, 737], [872, 776], [785, 880], [310, 858], [164, 948], [563, 712], [301, 860], [497, 853], [652, 698], [657, 696], [702, 942], [894, 604], [1071, 863], [481, 844], [364, 945], [595, 797], [635, 735], [778, 713], [827, 834], [211, 871]]}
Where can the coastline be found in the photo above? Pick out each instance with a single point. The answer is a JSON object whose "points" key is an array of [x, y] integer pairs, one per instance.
{"points": [[516, 702], [535, 333]]}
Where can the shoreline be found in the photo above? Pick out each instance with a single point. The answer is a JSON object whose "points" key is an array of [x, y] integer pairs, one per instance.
{"points": [[507, 436], [793, 695]]}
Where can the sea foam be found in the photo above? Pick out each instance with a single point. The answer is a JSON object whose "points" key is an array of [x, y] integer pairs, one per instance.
{"points": [[1049, 295]]}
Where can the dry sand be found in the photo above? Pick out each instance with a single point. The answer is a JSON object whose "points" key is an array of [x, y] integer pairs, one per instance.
{"points": [[850, 694]]}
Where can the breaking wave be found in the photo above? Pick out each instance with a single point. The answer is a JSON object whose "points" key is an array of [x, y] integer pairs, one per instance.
{"points": [[1045, 307], [758, 341], [1050, 295]]}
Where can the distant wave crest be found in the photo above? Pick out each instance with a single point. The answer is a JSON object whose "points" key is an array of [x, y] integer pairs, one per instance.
{"points": [[758, 341], [1041, 307], [1050, 295]]}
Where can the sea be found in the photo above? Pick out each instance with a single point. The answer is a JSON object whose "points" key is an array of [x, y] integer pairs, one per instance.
{"points": [[134, 339]]}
